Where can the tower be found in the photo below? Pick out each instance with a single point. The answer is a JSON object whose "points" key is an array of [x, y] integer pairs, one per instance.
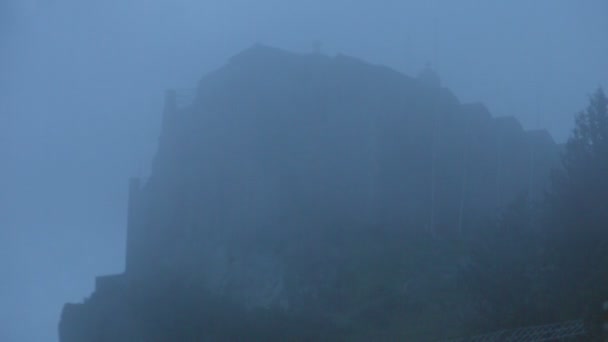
{"points": [[429, 77], [133, 252]]}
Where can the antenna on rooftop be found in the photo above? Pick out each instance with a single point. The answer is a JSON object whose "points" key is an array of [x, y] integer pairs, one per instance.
{"points": [[538, 110], [434, 21]]}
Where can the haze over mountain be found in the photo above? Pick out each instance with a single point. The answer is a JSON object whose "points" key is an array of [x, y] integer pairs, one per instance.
{"points": [[82, 83], [278, 164]]}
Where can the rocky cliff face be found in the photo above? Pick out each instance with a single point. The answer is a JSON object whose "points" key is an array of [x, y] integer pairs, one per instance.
{"points": [[265, 186]]}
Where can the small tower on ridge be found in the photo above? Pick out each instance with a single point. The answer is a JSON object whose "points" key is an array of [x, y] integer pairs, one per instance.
{"points": [[429, 77]]}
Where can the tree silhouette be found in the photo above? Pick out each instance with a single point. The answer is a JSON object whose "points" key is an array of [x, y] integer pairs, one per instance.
{"points": [[578, 208], [580, 188]]}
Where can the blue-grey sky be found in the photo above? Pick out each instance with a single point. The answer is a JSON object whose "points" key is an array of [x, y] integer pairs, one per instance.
{"points": [[81, 86]]}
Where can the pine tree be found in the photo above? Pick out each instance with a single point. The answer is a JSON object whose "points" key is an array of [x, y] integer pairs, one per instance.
{"points": [[580, 188], [578, 209]]}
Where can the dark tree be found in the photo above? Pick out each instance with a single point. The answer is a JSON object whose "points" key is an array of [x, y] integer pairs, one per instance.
{"points": [[578, 210]]}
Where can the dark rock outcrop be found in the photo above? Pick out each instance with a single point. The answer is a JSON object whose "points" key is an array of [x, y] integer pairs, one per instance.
{"points": [[261, 185]]}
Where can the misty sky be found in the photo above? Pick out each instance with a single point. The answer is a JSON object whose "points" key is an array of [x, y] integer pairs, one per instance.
{"points": [[81, 86]]}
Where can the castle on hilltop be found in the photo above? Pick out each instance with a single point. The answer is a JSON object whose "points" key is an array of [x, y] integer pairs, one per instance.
{"points": [[272, 160]]}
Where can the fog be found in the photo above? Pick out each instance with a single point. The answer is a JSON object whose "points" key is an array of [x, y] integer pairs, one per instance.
{"points": [[82, 84]]}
